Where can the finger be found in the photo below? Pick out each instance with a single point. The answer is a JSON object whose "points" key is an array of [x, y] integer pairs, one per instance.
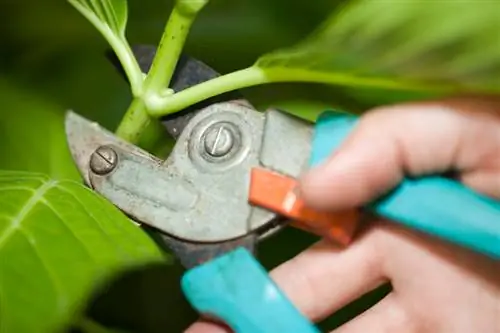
{"points": [[387, 316], [323, 279], [411, 139], [203, 326], [484, 181]]}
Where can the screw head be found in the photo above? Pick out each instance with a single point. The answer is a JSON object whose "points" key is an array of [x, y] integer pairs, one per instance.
{"points": [[103, 160], [218, 140]]}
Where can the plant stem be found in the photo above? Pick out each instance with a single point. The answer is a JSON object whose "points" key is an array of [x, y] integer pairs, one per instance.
{"points": [[137, 119], [130, 66], [168, 52], [134, 123], [243, 78], [251, 76]]}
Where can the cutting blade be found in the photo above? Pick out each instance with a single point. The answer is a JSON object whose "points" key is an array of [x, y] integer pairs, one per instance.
{"points": [[85, 136]]}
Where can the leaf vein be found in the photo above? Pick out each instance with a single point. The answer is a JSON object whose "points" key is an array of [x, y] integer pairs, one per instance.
{"points": [[31, 203], [11, 188], [8, 177]]}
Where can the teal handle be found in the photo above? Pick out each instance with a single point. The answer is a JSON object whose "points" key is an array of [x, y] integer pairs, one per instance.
{"points": [[435, 205], [237, 290]]}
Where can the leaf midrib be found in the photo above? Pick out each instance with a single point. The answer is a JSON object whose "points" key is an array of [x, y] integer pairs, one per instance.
{"points": [[28, 206]]}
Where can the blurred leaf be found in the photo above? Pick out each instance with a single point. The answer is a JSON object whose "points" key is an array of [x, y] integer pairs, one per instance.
{"points": [[32, 135], [58, 240], [400, 45], [299, 16]]}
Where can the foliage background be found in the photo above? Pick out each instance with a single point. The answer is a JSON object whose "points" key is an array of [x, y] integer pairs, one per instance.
{"points": [[52, 59]]}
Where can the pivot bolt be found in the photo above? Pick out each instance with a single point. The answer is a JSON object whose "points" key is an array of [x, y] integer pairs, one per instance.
{"points": [[218, 140], [103, 160]]}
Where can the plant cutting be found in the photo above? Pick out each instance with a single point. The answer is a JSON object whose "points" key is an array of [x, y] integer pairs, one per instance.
{"points": [[408, 47]]}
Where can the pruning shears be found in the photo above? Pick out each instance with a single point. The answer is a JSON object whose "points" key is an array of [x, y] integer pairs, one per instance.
{"points": [[230, 181]]}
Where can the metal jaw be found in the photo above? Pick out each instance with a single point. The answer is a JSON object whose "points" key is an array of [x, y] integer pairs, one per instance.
{"points": [[199, 194]]}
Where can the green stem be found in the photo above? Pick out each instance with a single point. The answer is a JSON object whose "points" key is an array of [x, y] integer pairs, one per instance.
{"points": [[137, 119], [251, 76], [129, 64], [134, 123], [159, 106], [168, 52]]}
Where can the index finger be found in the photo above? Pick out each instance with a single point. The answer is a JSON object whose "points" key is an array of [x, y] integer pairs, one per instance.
{"points": [[410, 139]]}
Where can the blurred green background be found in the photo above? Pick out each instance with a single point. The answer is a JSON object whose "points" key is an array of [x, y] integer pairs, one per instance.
{"points": [[52, 60]]}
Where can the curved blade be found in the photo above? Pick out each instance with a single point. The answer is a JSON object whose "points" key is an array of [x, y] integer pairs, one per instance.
{"points": [[85, 136]]}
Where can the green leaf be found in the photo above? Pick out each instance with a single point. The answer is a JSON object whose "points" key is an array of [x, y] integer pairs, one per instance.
{"points": [[110, 18], [32, 134], [399, 45], [58, 242]]}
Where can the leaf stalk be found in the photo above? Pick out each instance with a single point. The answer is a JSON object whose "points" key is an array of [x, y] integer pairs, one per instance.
{"points": [[120, 46], [159, 106]]}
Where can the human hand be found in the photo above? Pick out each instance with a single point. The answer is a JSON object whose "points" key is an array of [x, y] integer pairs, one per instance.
{"points": [[437, 287]]}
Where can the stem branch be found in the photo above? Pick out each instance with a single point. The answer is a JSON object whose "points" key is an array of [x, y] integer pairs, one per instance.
{"points": [[251, 76], [129, 63], [137, 118]]}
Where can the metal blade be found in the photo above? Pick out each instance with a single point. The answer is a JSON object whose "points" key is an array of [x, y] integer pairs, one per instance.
{"points": [[85, 136], [193, 254]]}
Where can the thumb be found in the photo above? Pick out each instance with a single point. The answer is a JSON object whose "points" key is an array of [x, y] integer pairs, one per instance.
{"points": [[461, 134]]}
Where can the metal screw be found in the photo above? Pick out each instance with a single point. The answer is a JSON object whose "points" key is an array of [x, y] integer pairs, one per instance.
{"points": [[219, 139], [103, 160]]}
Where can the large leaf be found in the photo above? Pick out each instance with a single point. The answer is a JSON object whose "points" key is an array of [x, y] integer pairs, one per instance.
{"points": [[110, 18], [405, 45], [32, 134], [58, 241]]}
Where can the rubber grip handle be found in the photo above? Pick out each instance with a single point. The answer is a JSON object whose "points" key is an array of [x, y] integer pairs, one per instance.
{"points": [[433, 204], [237, 290]]}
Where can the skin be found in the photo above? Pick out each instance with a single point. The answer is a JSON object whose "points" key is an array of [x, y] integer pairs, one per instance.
{"points": [[437, 287]]}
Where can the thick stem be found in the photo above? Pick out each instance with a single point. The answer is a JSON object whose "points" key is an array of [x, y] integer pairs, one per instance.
{"points": [[134, 123], [251, 76], [168, 52], [137, 119]]}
